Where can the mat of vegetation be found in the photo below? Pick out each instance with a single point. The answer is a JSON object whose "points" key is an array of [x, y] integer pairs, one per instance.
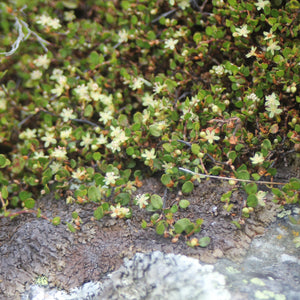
{"points": [[96, 96]]}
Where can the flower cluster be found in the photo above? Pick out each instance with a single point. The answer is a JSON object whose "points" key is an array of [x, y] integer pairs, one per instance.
{"points": [[45, 21], [272, 105]]}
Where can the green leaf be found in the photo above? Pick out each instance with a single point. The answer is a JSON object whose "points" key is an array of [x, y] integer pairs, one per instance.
{"points": [[154, 218], [56, 221], [98, 213], [97, 156], [74, 215], [144, 224], [294, 183], [29, 203], [94, 59], [204, 242], [18, 165], [160, 228], [184, 203], [237, 224], [243, 174], [156, 202], [166, 179], [195, 149], [251, 188], [233, 3], [123, 198], [174, 208], [277, 192], [71, 227], [226, 196], [267, 144], [88, 112], [187, 187], [130, 151], [23, 195], [168, 147], [4, 192], [4, 161], [252, 200], [138, 117], [155, 130], [70, 4], [255, 176], [94, 194], [232, 155], [183, 225]]}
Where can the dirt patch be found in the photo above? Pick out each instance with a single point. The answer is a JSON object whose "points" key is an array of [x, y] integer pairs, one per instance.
{"points": [[31, 247]]}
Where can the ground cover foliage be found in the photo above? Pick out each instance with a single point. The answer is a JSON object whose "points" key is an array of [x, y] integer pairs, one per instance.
{"points": [[97, 95]]}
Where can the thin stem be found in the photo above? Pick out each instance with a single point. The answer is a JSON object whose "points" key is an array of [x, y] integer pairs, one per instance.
{"points": [[229, 178]]}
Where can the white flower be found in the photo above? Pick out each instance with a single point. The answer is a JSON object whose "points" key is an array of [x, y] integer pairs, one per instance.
{"points": [[123, 36], [261, 196], [268, 35], [54, 23], [56, 73], [170, 44], [158, 87], [55, 167], [82, 91], [242, 31], [39, 154], [79, 174], [114, 146], [86, 140], [69, 16], [115, 131], [106, 100], [273, 46], [58, 90], [148, 155], [110, 178], [141, 200], [42, 61], [105, 116], [3, 104], [49, 139], [95, 95], [210, 136], [219, 70], [147, 99], [28, 134], [261, 4], [101, 140], [252, 52], [36, 75], [48, 21], [257, 159], [62, 80], [137, 83], [253, 97], [67, 114], [272, 99], [183, 4], [118, 211], [273, 110], [180, 33], [65, 133], [59, 153], [43, 20]]}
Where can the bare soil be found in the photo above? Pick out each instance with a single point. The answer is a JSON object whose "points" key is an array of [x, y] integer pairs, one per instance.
{"points": [[31, 247]]}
